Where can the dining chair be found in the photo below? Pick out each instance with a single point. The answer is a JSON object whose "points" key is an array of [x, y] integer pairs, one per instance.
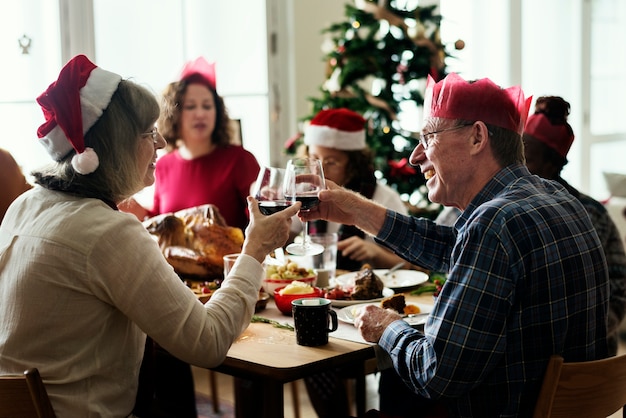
{"points": [[24, 396], [591, 389]]}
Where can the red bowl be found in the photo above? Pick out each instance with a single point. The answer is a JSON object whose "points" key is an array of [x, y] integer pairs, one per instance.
{"points": [[271, 285], [283, 302]]}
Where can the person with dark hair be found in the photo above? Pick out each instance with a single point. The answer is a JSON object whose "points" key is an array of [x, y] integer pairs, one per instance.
{"points": [[547, 139], [526, 274], [202, 166], [337, 138], [82, 283]]}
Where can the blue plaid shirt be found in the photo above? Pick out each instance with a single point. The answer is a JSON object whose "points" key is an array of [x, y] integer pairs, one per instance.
{"points": [[527, 278]]}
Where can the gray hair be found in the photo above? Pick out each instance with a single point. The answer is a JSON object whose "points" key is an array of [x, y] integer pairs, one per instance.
{"points": [[115, 137]]}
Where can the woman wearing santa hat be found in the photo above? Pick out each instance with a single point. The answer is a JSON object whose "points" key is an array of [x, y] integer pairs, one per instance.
{"points": [[548, 138], [83, 283], [337, 138]]}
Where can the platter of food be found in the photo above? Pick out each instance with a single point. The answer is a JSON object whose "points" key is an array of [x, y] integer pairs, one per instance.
{"points": [[279, 275], [205, 289], [398, 280], [414, 314], [364, 286], [195, 240], [339, 303]]}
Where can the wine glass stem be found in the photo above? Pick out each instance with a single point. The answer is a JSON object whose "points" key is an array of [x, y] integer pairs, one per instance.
{"points": [[305, 235]]}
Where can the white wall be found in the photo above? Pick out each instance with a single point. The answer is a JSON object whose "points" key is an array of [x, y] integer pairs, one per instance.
{"points": [[309, 18]]}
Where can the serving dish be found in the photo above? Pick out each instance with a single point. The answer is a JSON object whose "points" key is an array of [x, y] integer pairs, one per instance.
{"points": [[348, 313], [270, 285], [283, 302], [398, 280], [338, 303]]}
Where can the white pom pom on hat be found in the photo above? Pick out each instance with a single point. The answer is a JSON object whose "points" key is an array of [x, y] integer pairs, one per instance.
{"points": [[71, 106], [339, 128]]}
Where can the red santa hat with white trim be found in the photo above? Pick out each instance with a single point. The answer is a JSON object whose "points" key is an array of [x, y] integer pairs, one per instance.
{"points": [[340, 128], [71, 106]]}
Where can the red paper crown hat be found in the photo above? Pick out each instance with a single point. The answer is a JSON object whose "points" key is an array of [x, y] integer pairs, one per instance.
{"points": [[340, 128], [71, 106], [455, 98], [200, 70], [556, 137]]}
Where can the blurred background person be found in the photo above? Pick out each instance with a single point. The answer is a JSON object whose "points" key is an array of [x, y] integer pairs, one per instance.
{"points": [[547, 140], [12, 181], [337, 138], [203, 165]]}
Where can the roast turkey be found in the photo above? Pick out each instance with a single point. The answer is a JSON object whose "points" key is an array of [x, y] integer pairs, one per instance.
{"points": [[194, 240]]}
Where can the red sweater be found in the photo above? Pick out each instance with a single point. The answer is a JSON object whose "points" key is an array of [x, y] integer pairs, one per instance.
{"points": [[222, 178]]}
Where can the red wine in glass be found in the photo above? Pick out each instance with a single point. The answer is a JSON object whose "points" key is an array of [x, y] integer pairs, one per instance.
{"points": [[308, 202], [269, 207], [304, 179], [269, 190]]}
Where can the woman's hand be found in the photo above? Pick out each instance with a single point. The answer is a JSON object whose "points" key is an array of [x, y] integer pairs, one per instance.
{"points": [[356, 248], [373, 320], [266, 233]]}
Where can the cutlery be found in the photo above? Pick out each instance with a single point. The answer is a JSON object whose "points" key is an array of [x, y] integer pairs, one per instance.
{"points": [[394, 268]]}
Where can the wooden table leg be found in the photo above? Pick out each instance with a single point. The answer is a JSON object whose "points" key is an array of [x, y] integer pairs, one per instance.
{"points": [[256, 399], [214, 394], [295, 399]]}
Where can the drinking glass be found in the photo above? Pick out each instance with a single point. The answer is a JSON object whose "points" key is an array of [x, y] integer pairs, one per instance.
{"points": [[303, 180], [269, 190]]}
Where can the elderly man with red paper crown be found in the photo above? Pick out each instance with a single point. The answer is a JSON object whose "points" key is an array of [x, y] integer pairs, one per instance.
{"points": [[547, 140], [527, 277]]}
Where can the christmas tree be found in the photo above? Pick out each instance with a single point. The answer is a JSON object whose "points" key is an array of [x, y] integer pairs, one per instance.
{"points": [[378, 61]]}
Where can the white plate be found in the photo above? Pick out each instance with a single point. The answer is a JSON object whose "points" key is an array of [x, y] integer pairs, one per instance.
{"points": [[399, 279], [338, 303], [348, 313]]}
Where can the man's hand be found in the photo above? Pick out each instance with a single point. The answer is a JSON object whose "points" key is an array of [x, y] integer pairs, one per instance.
{"points": [[373, 320], [266, 233], [340, 205]]}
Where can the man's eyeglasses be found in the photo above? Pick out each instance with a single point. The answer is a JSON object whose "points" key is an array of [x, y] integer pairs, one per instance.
{"points": [[154, 133], [427, 137]]}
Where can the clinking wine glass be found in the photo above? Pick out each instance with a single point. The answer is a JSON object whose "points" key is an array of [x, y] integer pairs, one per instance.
{"points": [[269, 190], [303, 181]]}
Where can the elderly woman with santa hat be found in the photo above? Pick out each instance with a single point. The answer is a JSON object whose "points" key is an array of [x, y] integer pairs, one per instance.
{"points": [[83, 283]]}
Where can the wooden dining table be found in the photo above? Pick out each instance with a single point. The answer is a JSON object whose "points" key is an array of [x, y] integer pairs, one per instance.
{"points": [[265, 357]]}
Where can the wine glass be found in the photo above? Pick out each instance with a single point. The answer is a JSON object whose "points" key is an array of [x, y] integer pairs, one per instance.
{"points": [[269, 190], [303, 180]]}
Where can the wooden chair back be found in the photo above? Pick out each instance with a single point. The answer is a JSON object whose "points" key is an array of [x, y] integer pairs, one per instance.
{"points": [[24, 396], [590, 389]]}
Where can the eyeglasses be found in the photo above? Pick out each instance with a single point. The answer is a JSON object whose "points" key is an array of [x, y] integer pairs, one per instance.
{"points": [[331, 164], [154, 133], [427, 137]]}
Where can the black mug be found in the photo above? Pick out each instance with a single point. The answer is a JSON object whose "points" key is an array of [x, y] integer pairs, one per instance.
{"points": [[313, 319]]}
